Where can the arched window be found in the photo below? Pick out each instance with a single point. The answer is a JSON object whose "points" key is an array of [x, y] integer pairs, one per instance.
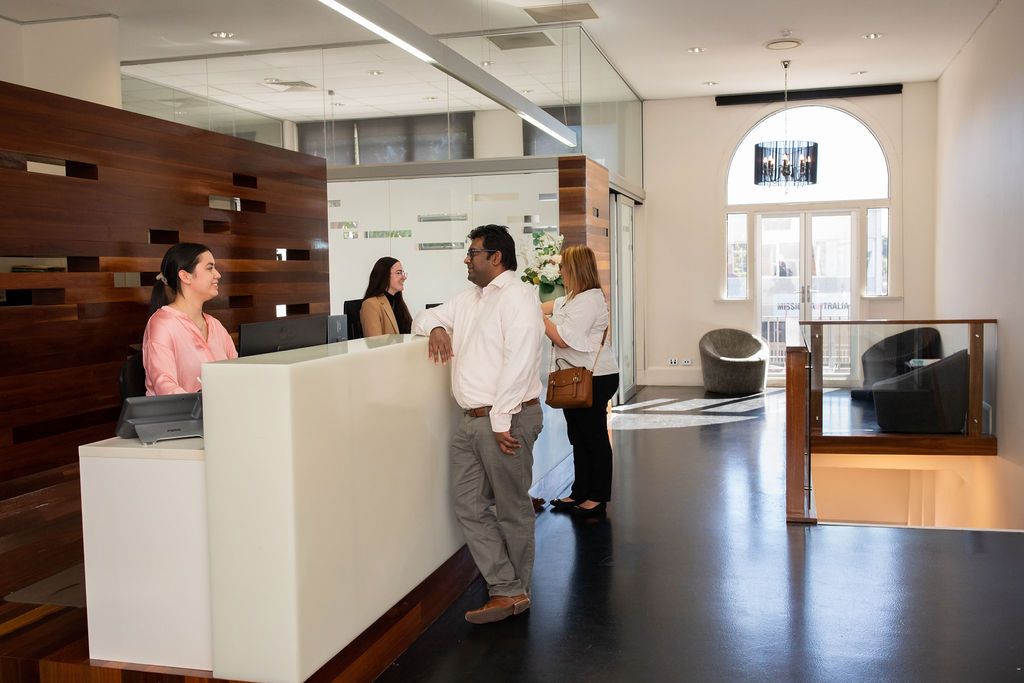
{"points": [[851, 164], [810, 252]]}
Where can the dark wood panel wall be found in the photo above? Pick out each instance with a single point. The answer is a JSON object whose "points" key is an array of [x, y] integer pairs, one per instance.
{"points": [[583, 210], [131, 186]]}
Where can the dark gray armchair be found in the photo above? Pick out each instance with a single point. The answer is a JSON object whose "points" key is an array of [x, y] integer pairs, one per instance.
{"points": [[929, 400], [733, 362], [888, 358]]}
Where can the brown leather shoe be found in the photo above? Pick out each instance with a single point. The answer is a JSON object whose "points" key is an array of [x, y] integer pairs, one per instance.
{"points": [[497, 608], [538, 504]]}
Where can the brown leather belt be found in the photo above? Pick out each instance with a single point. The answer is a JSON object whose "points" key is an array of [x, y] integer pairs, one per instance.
{"points": [[484, 411]]}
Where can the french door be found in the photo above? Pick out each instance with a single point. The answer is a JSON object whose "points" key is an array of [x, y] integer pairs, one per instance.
{"points": [[805, 272]]}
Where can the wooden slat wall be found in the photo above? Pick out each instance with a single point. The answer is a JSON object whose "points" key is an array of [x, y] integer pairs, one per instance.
{"points": [[583, 210], [134, 185]]}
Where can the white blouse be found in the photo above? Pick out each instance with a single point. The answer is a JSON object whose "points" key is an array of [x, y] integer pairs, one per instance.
{"points": [[581, 322]]}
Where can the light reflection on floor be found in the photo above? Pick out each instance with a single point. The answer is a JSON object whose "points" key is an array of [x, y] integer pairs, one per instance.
{"points": [[694, 412]]}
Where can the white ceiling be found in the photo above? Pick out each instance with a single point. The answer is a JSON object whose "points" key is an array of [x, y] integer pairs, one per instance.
{"points": [[646, 40]]}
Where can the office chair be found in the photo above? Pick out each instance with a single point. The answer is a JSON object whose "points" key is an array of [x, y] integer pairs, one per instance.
{"points": [[351, 309], [132, 379]]}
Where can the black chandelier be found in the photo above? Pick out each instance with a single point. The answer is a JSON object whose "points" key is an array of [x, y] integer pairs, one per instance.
{"points": [[786, 162]]}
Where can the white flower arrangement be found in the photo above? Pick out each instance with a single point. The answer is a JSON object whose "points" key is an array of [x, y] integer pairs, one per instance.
{"points": [[543, 260]]}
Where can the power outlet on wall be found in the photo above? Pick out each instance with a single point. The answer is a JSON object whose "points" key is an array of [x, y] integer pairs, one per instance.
{"points": [[673, 361], [687, 361]]}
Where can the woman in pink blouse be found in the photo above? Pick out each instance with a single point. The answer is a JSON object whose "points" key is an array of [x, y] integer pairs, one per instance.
{"points": [[179, 336]]}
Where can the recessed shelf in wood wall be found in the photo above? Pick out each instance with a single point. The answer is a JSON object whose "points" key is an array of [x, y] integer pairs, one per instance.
{"points": [[216, 227], [243, 180], [163, 237]]}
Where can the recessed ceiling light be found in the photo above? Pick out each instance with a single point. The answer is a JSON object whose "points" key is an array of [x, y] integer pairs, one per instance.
{"points": [[486, 62], [526, 91], [271, 81], [696, 50], [338, 104], [430, 98], [710, 83], [374, 72], [872, 36], [857, 73], [783, 44], [222, 34]]}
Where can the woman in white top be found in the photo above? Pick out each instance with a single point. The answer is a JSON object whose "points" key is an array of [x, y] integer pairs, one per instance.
{"points": [[576, 326]]}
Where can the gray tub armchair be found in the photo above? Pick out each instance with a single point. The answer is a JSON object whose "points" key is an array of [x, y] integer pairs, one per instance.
{"points": [[733, 362]]}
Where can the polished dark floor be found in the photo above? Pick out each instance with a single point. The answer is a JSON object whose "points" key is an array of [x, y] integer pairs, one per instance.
{"points": [[842, 415], [694, 576]]}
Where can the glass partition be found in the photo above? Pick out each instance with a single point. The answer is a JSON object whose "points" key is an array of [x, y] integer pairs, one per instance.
{"points": [[612, 117], [374, 103], [910, 378], [423, 222], [182, 106]]}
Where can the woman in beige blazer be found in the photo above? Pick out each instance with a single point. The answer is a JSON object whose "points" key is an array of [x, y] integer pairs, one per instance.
{"points": [[383, 310]]}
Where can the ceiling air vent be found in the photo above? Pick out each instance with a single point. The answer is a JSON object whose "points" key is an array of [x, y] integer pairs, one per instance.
{"points": [[519, 41], [182, 103], [547, 14], [288, 86]]}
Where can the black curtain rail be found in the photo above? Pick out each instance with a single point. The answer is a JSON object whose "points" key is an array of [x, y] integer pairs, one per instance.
{"points": [[811, 94]]}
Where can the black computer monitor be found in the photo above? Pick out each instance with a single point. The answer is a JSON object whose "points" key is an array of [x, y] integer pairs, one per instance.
{"points": [[155, 418], [281, 334]]}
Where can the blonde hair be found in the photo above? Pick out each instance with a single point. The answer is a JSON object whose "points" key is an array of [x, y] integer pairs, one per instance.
{"points": [[579, 270]]}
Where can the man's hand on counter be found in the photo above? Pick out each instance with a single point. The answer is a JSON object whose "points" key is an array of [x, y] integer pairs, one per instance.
{"points": [[439, 347]]}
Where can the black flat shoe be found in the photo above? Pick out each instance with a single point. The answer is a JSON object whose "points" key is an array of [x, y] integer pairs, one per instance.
{"points": [[595, 511], [559, 504]]}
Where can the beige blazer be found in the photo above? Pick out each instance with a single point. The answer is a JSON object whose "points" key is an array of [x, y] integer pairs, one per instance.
{"points": [[377, 317]]}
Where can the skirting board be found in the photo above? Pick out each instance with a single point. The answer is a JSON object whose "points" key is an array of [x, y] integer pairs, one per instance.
{"points": [[668, 376]]}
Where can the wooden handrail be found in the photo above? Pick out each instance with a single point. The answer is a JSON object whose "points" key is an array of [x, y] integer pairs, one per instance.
{"points": [[979, 321], [799, 505]]}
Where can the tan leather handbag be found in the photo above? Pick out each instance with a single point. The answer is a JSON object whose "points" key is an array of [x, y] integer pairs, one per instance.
{"points": [[573, 387]]}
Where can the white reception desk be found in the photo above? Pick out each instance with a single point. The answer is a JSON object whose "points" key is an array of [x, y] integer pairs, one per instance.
{"points": [[327, 501]]}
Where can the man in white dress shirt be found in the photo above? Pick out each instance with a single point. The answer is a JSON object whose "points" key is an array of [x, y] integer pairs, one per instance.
{"points": [[492, 335]]}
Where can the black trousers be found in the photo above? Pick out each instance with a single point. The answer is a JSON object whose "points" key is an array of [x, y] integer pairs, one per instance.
{"points": [[591, 449]]}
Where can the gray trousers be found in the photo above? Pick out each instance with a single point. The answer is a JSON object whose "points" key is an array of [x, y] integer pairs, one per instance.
{"points": [[492, 499]]}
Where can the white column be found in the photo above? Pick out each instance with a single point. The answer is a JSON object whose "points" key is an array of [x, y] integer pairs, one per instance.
{"points": [[497, 133], [290, 135], [78, 58]]}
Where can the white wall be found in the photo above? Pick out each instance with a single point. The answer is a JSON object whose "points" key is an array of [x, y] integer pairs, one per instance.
{"points": [[78, 58], [10, 52], [979, 246], [688, 145]]}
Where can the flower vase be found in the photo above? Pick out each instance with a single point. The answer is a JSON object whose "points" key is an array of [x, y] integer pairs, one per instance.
{"points": [[550, 292]]}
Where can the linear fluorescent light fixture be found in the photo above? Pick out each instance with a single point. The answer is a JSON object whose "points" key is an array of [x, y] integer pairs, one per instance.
{"points": [[368, 23], [534, 122], [402, 33]]}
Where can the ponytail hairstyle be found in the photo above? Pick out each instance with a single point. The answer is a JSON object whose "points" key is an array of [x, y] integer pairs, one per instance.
{"points": [[380, 279], [182, 256]]}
